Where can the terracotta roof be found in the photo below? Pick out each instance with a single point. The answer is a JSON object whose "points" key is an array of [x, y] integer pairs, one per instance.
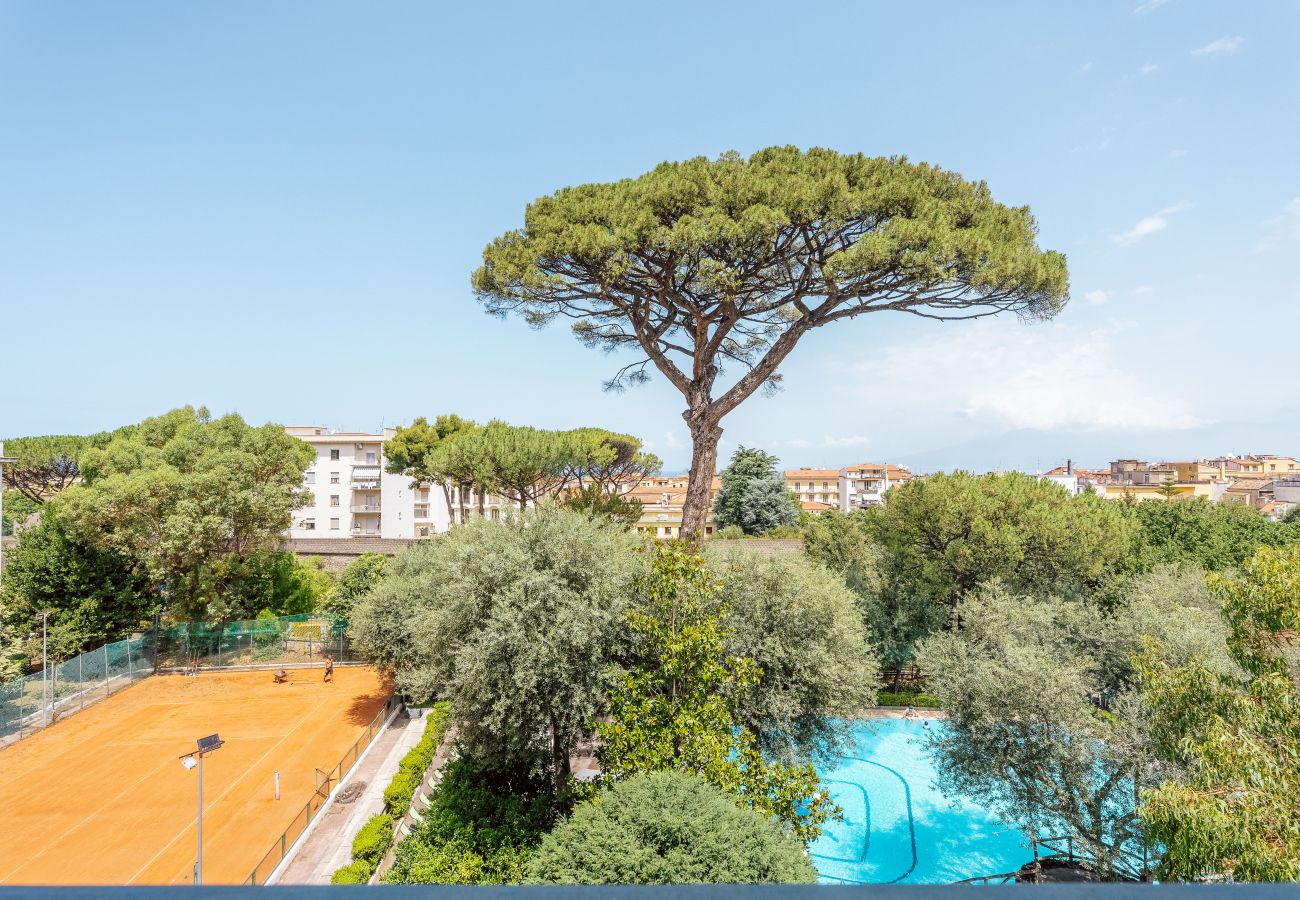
{"points": [[797, 474], [814, 506]]}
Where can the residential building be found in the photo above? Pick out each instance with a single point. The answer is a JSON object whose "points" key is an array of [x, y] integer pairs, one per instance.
{"points": [[354, 497], [662, 499], [1264, 464], [851, 487]]}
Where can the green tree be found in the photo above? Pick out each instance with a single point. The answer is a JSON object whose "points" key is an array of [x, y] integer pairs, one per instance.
{"points": [[608, 460], [1196, 532], [597, 502], [189, 499], [1168, 489], [753, 494], [97, 595], [668, 828], [45, 465], [358, 579], [676, 704], [411, 451], [515, 622], [1233, 736], [945, 534], [1043, 723], [707, 263], [804, 630], [277, 581]]}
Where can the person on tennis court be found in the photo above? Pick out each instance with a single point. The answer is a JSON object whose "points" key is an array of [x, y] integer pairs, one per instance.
{"points": [[329, 668]]}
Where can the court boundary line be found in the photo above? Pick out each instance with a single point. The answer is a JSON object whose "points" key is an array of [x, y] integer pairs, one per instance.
{"points": [[297, 845], [247, 771]]}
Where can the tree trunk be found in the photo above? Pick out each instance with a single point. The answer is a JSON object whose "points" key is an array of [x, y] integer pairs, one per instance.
{"points": [[704, 464], [560, 760]]}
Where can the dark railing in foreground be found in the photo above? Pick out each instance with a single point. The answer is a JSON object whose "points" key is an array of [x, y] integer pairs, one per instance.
{"points": [[326, 782], [665, 892]]}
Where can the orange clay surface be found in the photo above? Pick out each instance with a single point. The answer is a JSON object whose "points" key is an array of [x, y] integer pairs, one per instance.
{"points": [[101, 797]]}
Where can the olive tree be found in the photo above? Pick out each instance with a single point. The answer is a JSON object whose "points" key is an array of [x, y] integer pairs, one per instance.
{"points": [[704, 264]]}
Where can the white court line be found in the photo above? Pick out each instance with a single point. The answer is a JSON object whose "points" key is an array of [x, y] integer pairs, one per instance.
{"points": [[247, 771]]}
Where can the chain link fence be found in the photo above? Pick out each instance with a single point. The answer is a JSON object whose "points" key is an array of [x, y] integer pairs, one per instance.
{"points": [[32, 702]]}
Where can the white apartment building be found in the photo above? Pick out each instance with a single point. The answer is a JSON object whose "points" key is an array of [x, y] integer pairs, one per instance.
{"points": [[851, 487], [352, 495]]}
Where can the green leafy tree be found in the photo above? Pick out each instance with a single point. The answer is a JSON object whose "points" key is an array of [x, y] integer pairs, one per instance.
{"points": [[1043, 724], [411, 451], [945, 534], [97, 595], [1196, 532], [515, 622], [606, 459], [803, 628], [45, 465], [1168, 489], [1233, 736], [676, 705], [597, 502], [753, 494], [668, 828], [188, 499], [708, 263], [277, 581], [358, 579]]}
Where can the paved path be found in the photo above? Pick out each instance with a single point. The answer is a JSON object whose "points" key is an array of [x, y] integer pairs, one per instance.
{"points": [[329, 846]]}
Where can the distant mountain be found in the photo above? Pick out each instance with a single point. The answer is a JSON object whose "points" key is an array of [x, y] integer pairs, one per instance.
{"points": [[1031, 450]]}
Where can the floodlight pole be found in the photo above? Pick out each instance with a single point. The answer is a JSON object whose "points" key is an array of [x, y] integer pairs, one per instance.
{"points": [[3, 460], [204, 747]]}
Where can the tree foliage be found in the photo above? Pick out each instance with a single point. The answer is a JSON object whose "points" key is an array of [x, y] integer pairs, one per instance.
{"points": [[515, 622], [1043, 723], [945, 534], [361, 576], [706, 263], [597, 502], [1235, 737], [753, 495], [676, 705], [668, 828], [189, 500], [97, 595], [47, 464], [804, 630], [1201, 534]]}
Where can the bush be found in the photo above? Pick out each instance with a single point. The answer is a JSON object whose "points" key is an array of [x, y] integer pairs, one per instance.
{"points": [[371, 842], [907, 698], [410, 771], [668, 828], [355, 872]]}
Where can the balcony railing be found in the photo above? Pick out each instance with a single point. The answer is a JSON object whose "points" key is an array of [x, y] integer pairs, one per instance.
{"points": [[364, 508], [365, 484], [365, 533]]}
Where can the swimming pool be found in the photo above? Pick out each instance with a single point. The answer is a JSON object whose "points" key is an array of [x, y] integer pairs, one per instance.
{"points": [[898, 827]]}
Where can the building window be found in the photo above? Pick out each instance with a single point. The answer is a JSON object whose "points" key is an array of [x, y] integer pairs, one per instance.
{"points": [[308, 524], [370, 457], [334, 477], [424, 531], [334, 524], [334, 499], [334, 453], [308, 477]]}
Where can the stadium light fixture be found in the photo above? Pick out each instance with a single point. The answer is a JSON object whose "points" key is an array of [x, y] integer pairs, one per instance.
{"points": [[203, 747]]}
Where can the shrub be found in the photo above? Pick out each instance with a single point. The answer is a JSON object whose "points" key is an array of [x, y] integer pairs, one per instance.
{"points": [[355, 872], [371, 842], [907, 698], [410, 771], [668, 828]]}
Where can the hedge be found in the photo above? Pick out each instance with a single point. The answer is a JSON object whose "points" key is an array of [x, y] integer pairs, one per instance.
{"points": [[372, 840], [355, 872], [410, 771], [903, 698]]}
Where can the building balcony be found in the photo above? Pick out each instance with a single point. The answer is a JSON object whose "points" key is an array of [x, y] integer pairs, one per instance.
{"points": [[364, 508], [365, 484]]}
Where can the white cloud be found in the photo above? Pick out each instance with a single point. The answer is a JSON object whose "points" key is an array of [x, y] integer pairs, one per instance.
{"points": [[1098, 297], [1147, 69], [1177, 154], [1144, 289], [1222, 45], [671, 441], [1281, 229], [1151, 224], [1149, 6], [1048, 376]]}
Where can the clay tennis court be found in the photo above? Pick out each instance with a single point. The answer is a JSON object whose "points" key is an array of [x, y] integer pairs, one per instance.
{"points": [[101, 797]]}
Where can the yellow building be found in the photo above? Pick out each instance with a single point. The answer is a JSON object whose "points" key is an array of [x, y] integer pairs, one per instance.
{"points": [[662, 499]]}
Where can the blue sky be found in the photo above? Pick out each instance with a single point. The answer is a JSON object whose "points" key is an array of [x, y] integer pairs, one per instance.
{"points": [[275, 209]]}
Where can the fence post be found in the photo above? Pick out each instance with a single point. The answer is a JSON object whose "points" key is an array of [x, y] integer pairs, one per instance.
{"points": [[107, 680], [130, 672], [81, 679]]}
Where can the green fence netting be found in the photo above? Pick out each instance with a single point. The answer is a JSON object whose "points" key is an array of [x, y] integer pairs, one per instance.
{"points": [[34, 701]]}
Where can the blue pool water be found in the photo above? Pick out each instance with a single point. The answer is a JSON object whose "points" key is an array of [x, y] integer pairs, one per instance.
{"points": [[898, 827]]}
